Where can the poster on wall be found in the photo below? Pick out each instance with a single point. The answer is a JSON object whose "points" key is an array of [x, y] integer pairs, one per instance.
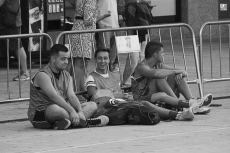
{"points": [[36, 24]]}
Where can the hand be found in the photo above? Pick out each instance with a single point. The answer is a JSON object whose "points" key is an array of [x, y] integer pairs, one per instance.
{"points": [[178, 78], [81, 115], [107, 15], [74, 118], [184, 73]]}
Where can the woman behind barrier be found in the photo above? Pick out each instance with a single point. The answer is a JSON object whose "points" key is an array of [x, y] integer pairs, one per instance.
{"points": [[81, 45]]}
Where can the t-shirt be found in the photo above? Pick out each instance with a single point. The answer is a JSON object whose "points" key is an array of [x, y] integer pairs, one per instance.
{"points": [[108, 5], [104, 81]]}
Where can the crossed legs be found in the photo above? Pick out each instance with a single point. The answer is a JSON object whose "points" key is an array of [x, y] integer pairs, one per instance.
{"points": [[56, 113]]}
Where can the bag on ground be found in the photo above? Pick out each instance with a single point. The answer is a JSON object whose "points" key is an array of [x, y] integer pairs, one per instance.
{"points": [[142, 115]]}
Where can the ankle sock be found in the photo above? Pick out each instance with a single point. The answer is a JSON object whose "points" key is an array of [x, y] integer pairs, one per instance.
{"points": [[173, 114], [183, 104]]}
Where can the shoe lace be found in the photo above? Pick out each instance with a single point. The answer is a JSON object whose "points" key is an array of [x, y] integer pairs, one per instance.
{"points": [[93, 122]]}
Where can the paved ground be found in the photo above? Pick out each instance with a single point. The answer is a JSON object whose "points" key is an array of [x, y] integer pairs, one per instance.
{"points": [[207, 133]]}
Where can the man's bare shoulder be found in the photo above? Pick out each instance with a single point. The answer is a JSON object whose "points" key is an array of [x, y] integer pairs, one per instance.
{"points": [[41, 77]]}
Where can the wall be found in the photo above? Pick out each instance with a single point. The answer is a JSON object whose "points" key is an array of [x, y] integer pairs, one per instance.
{"points": [[196, 13]]}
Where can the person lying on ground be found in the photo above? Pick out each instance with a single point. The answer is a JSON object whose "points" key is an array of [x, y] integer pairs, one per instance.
{"points": [[53, 103], [101, 78], [154, 81]]}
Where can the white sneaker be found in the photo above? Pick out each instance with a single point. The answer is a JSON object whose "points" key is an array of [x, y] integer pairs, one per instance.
{"points": [[186, 115], [205, 101], [99, 121], [200, 110]]}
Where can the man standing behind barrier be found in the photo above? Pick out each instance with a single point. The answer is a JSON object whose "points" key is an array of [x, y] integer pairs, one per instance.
{"points": [[7, 6], [107, 39], [53, 102]]}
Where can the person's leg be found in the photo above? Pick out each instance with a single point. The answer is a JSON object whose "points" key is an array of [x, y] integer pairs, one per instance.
{"points": [[170, 114], [142, 53], [154, 95], [89, 109], [56, 113], [130, 65], [79, 71], [23, 59], [182, 88], [113, 52], [161, 85]]}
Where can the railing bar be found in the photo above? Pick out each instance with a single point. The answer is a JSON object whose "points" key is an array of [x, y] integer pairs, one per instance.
{"points": [[30, 62], [19, 69], [210, 42], [183, 50], [118, 59], [173, 53], [159, 33], [83, 56], [220, 51], [8, 69], [229, 46], [40, 56], [148, 39]]}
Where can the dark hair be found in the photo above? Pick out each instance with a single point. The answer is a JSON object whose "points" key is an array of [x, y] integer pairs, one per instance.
{"points": [[55, 49], [152, 47], [101, 50]]}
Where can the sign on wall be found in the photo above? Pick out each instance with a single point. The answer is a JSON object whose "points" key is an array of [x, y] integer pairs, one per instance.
{"points": [[224, 10]]}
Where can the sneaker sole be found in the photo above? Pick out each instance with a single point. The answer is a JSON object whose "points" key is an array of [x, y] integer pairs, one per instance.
{"points": [[204, 112], [209, 98], [62, 125], [22, 79]]}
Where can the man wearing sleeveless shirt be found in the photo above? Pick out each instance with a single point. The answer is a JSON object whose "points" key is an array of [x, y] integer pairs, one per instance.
{"points": [[53, 103], [154, 81]]}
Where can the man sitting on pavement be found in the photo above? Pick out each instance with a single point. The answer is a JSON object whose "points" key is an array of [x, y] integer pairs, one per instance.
{"points": [[53, 103], [101, 78], [156, 82]]}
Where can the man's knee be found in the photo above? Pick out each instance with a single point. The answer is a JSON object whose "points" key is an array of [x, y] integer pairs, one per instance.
{"points": [[158, 96], [55, 111], [157, 82], [90, 106]]}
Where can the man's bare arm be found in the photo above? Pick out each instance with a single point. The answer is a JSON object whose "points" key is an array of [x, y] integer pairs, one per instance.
{"points": [[156, 73], [74, 101]]}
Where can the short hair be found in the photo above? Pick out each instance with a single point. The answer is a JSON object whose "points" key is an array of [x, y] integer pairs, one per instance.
{"points": [[152, 47], [101, 50], [55, 49]]}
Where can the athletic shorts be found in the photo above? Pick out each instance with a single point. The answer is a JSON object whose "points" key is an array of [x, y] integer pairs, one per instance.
{"points": [[40, 121], [13, 43]]}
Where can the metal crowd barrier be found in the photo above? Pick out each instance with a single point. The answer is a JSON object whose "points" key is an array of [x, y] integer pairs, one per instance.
{"points": [[150, 36], [219, 53], [18, 37]]}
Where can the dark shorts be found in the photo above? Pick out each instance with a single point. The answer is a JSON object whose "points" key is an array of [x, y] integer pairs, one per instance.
{"points": [[13, 43], [40, 120]]}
